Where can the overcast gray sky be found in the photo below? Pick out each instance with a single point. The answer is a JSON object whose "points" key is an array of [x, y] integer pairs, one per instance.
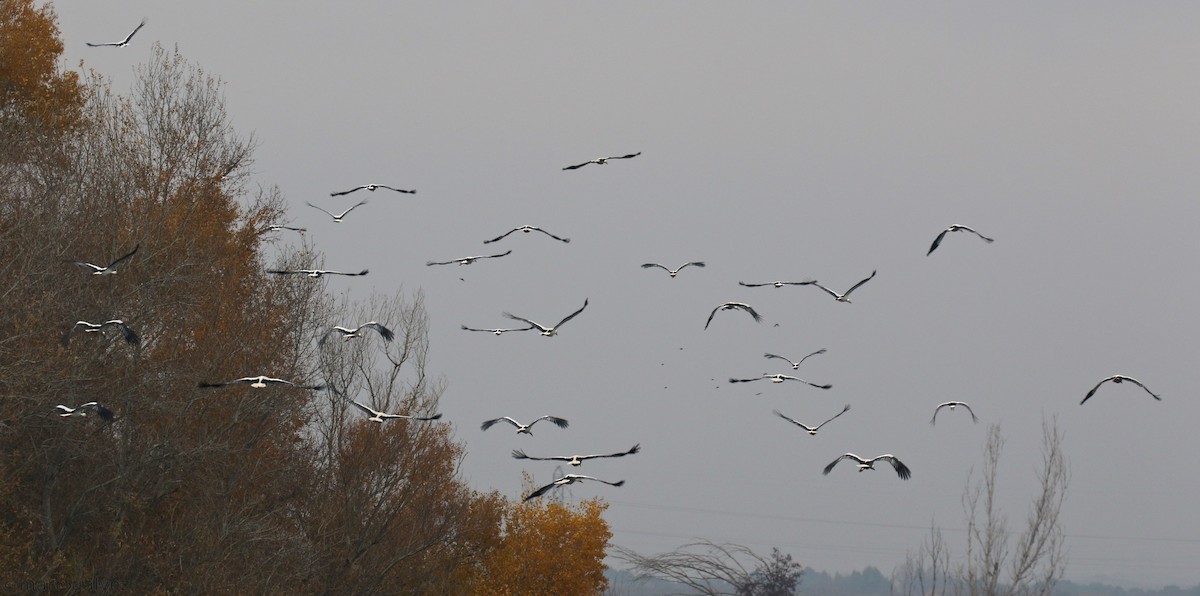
{"points": [[780, 140]]}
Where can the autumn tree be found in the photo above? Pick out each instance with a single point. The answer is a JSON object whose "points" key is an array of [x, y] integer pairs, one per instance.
{"points": [[548, 547], [386, 508], [184, 482], [997, 560]]}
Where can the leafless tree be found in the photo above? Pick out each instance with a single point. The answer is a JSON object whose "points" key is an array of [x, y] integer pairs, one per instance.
{"points": [[998, 561], [704, 566]]}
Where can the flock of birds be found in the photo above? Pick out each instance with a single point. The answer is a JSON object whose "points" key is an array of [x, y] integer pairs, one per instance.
{"points": [[361, 331]]}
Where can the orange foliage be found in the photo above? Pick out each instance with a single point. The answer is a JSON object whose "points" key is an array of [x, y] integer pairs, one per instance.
{"points": [[548, 548], [29, 76]]}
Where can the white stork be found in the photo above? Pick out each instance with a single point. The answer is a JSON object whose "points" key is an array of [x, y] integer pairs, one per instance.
{"points": [[524, 428], [955, 228], [259, 382], [314, 273], [357, 332], [498, 331], [778, 284], [602, 160], [565, 480], [378, 417], [795, 365], [123, 42], [371, 187], [468, 260], [87, 327], [673, 272], [575, 460], [733, 306], [844, 297], [109, 269], [101, 411], [777, 378], [526, 229], [1118, 379], [869, 464], [338, 218], [952, 405], [549, 331], [812, 430]]}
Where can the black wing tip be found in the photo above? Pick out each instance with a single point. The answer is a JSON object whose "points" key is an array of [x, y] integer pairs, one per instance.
{"points": [[519, 454]]}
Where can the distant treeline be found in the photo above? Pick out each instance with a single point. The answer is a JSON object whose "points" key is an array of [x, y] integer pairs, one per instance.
{"points": [[871, 582]]}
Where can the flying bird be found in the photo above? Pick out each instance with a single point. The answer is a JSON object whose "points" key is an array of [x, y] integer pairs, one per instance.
{"points": [[549, 331], [673, 272], [732, 306], [795, 365], [780, 379], [87, 327], [602, 160], [468, 260], [779, 284], [371, 187], [378, 417], [313, 273], [527, 229], [101, 411], [952, 405], [338, 218], [123, 42], [498, 331], [1119, 379], [524, 428], [109, 269], [575, 460], [565, 480], [812, 430], [844, 297], [259, 382], [869, 464], [955, 228], [277, 227], [349, 334]]}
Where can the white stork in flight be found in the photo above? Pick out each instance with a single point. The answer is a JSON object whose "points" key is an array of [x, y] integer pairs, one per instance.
{"points": [[110, 269], [123, 42], [812, 430], [602, 160], [357, 332], [371, 187], [338, 218], [733, 306], [526, 229], [844, 297], [378, 417], [87, 327], [952, 405], [575, 460], [468, 260], [524, 428], [869, 464], [498, 331], [778, 284], [565, 480], [314, 273], [673, 272], [955, 228], [101, 411], [777, 378], [549, 331], [1118, 379], [259, 382], [795, 365]]}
